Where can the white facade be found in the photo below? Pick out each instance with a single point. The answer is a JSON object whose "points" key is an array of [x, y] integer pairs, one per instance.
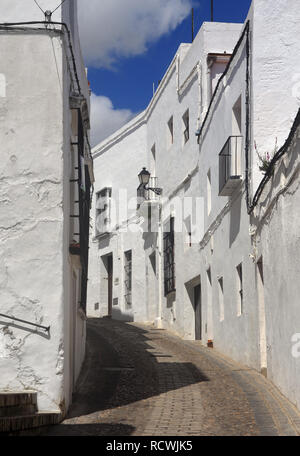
{"points": [[40, 280], [275, 240], [235, 87]]}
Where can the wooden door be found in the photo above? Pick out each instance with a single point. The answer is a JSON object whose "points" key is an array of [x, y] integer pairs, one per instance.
{"points": [[110, 283]]}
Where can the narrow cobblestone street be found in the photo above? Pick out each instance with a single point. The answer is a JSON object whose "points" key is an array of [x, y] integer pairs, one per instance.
{"points": [[139, 381]]}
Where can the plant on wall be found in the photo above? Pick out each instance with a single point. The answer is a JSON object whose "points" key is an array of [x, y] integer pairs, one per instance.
{"points": [[266, 158]]}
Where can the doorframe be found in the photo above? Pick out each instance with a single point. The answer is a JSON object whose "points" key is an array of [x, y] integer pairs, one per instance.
{"points": [[199, 307], [261, 315], [190, 286]]}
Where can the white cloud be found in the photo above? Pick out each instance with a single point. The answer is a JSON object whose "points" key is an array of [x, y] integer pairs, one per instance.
{"points": [[105, 119], [111, 29]]}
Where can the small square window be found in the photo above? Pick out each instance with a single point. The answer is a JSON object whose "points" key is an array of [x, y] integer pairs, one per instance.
{"points": [[186, 127], [170, 139]]}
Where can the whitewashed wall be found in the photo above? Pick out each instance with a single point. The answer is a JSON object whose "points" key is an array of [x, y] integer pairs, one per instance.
{"points": [[35, 210], [275, 104], [180, 160], [118, 161], [276, 240]]}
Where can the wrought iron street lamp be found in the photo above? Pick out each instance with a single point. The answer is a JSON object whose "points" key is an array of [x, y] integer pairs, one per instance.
{"points": [[144, 178]]}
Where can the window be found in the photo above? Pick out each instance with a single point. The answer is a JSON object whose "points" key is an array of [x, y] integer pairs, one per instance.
{"points": [[208, 272], [170, 138], [186, 127], [239, 270], [221, 298], [149, 215], [230, 173], [188, 232], [103, 208], [209, 314], [216, 64], [237, 118], [153, 161], [208, 180], [169, 258], [128, 278]]}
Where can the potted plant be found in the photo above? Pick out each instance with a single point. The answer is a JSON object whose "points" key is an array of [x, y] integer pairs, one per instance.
{"points": [[74, 248], [265, 160]]}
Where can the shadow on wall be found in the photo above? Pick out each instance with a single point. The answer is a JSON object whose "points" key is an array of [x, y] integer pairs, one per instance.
{"points": [[235, 220], [117, 314], [104, 241]]}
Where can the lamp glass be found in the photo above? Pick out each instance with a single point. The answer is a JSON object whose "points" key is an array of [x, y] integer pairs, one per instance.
{"points": [[144, 176]]}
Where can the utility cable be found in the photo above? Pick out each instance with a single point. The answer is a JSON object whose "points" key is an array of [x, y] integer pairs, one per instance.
{"points": [[39, 6], [58, 6], [35, 1]]}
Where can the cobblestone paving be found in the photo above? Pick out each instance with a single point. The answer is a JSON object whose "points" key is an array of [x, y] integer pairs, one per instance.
{"points": [[138, 380]]}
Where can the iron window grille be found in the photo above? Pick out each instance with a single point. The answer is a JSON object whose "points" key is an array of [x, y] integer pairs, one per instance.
{"points": [[84, 202], [169, 259], [103, 209], [128, 278]]}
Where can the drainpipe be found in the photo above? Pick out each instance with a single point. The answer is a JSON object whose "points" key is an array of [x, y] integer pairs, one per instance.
{"points": [[199, 70], [177, 72], [210, 62]]}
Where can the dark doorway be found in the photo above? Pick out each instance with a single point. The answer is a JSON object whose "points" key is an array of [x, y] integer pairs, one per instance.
{"points": [[197, 307], [110, 283]]}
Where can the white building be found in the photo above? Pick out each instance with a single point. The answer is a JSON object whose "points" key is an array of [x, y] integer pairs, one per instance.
{"points": [[45, 179], [228, 277]]}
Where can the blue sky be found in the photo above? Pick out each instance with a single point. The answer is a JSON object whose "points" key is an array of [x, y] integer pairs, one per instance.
{"points": [[123, 71]]}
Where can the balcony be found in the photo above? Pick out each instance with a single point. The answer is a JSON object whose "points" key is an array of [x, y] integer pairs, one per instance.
{"points": [[230, 164]]}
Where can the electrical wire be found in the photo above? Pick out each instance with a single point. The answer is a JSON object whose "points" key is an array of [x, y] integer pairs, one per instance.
{"points": [[39, 6], [51, 11], [58, 6]]}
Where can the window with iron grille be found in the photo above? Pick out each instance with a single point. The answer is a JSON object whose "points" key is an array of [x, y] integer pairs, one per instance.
{"points": [[103, 203], [169, 258], [128, 278]]}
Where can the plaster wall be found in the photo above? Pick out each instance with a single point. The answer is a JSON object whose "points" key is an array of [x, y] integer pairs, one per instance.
{"points": [[35, 210], [275, 51], [226, 242], [117, 163], [275, 227], [32, 225]]}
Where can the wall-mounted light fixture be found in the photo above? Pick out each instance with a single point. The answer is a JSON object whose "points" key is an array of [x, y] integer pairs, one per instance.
{"points": [[144, 178]]}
